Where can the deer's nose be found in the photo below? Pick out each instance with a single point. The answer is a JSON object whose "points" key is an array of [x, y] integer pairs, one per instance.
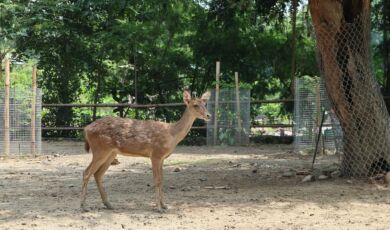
{"points": [[208, 116]]}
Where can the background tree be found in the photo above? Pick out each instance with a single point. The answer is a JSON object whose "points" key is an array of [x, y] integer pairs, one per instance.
{"points": [[54, 35], [386, 47], [380, 44], [9, 28], [105, 51]]}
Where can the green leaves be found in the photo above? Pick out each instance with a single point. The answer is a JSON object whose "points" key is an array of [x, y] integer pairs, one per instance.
{"points": [[95, 51]]}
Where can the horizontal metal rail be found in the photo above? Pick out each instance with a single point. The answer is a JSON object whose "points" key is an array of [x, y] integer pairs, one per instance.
{"points": [[114, 105], [194, 127], [81, 128], [108, 105], [273, 101], [146, 106]]}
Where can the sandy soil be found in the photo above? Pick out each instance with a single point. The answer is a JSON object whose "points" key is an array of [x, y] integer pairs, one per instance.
{"points": [[215, 188]]}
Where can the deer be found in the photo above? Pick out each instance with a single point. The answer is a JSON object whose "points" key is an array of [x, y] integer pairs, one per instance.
{"points": [[110, 136]]}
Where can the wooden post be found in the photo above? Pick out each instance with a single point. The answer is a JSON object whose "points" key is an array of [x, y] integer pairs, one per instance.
{"points": [[135, 78], [238, 110], [1, 68], [33, 109], [217, 73], [318, 106], [318, 109], [6, 109]]}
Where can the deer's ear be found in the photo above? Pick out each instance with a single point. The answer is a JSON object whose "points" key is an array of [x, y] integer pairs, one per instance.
{"points": [[186, 97], [206, 96]]}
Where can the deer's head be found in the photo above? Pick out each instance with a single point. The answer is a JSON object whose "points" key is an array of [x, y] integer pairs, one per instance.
{"points": [[197, 106]]}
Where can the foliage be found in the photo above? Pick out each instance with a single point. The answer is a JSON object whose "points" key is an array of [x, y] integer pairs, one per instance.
{"points": [[110, 51], [9, 27]]}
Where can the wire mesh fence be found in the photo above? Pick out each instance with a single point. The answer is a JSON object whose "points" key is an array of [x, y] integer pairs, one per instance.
{"points": [[345, 64], [21, 140], [87, 113], [230, 123], [311, 101]]}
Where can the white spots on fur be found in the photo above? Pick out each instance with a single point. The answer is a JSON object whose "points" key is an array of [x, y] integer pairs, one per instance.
{"points": [[142, 138]]}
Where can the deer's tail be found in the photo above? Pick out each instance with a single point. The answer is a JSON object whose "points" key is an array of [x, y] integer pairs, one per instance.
{"points": [[86, 145]]}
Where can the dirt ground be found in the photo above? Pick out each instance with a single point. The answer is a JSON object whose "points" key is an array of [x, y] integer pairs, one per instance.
{"points": [[205, 188]]}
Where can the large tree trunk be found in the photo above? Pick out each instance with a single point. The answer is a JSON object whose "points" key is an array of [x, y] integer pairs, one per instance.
{"points": [[343, 37]]}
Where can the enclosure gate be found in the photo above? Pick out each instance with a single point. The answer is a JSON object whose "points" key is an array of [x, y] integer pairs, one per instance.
{"points": [[230, 122], [22, 131], [310, 101]]}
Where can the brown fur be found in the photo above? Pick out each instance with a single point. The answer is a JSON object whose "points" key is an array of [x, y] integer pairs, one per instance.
{"points": [[156, 140]]}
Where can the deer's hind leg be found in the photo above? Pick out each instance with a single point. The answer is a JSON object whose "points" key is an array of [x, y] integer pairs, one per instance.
{"points": [[157, 164], [99, 179], [98, 160]]}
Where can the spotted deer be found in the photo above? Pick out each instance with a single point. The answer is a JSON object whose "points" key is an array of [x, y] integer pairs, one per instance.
{"points": [[156, 140]]}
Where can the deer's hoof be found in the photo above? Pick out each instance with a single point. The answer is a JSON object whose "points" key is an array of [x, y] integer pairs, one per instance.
{"points": [[161, 210], [83, 208], [108, 206], [115, 162]]}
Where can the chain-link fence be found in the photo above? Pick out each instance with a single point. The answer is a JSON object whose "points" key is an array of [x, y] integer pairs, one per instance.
{"points": [[230, 122], [345, 64], [20, 117], [310, 102]]}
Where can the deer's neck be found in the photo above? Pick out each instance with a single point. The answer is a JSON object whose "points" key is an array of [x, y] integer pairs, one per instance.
{"points": [[181, 128]]}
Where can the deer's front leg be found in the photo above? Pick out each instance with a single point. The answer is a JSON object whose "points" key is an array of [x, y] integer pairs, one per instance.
{"points": [[157, 164]]}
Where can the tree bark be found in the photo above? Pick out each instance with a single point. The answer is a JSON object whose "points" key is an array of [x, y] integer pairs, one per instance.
{"points": [[343, 37]]}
